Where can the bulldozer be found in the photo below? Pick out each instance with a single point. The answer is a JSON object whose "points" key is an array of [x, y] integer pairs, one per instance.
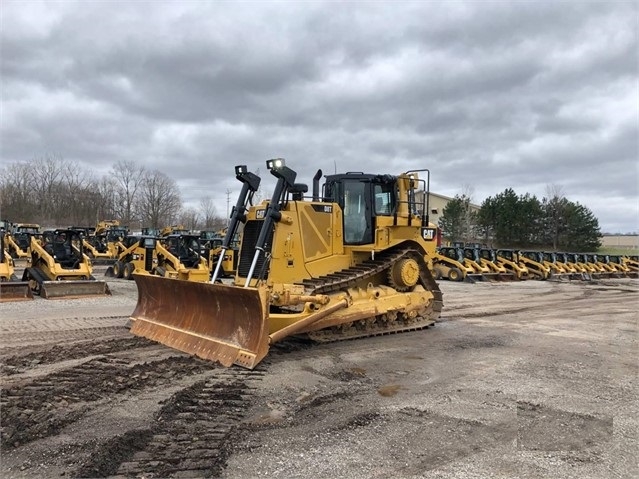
{"points": [[57, 267], [352, 262], [10, 288]]}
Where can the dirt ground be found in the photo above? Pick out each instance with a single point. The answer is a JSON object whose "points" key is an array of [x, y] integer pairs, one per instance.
{"points": [[523, 379]]}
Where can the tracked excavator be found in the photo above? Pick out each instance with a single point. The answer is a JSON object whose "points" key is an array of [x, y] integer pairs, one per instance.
{"points": [[354, 261], [10, 288], [57, 267]]}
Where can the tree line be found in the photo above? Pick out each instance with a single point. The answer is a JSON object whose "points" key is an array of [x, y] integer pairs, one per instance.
{"points": [[54, 191], [509, 220]]}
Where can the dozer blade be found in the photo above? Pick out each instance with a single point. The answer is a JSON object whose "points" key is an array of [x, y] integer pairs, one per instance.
{"points": [[73, 289], [15, 291], [217, 322]]}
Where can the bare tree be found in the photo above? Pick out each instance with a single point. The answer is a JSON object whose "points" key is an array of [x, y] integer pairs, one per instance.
{"points": [[16, 199], [159, 201], [190, 218], [128, 178], [555, 205], [208, 212], [107, 206], [45, 175]]}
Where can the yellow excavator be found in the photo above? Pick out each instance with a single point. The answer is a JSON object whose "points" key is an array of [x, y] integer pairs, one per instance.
{"points": [[354, 261], [57, 267], [10, 288]]}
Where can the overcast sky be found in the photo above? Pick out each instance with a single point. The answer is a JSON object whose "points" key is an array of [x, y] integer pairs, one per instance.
{"points": [[489, 95]]}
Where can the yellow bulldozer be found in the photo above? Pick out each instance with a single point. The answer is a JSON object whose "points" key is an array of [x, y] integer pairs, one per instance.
{"points": [[10, 288], [354, 261], [57, 267]]}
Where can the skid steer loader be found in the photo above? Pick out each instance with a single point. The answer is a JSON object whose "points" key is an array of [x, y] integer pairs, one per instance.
{"points": [[57, 267], [488, 258], [138, 257], [178, 257], [353, 262], [448, 263], [534, 261], [10, 288], [508, 259]]}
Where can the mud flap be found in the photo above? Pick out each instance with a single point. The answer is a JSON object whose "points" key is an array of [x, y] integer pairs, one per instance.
{"points": [[73, 289], [217, 322], [15, 291]]}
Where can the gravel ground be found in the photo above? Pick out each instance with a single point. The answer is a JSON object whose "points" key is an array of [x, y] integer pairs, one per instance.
{"points": [[531, 379]]}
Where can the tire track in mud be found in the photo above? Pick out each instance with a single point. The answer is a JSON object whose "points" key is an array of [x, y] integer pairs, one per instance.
{"points": [[42, 407], [20, 340], [192, 435], [19, 363]]}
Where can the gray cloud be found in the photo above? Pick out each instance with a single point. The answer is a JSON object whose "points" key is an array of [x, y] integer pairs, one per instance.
{"points": [[493, 95]]}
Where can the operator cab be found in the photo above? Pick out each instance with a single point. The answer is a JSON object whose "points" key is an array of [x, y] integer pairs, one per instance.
{"points": [[363, 198]]}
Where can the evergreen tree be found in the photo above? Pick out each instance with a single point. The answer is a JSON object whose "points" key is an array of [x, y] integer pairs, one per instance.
{"points": [[458, 221], [582, 233]]}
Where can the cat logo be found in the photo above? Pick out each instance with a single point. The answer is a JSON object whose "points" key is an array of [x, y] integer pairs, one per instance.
{"points": [[259, 214], [428, 234]]}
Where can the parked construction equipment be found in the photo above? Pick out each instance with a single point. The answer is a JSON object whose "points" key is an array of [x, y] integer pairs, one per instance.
{"points": [[509, 260], [449, 263], [18, 240], [178, 257], [534, 261], [352, 262], [57, 267], [10, 288], [137, 257]]}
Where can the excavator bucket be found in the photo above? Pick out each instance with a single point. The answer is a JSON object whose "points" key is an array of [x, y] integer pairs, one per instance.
{"points": [[68, 289], [217, 322], [15, 291]]}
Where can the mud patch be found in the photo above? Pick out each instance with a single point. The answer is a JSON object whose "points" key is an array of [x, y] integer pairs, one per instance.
{"points": [[41, 407], [107, 459], [19, 363], [193, 433], [360, 420], [475, 342], [541, 428]]}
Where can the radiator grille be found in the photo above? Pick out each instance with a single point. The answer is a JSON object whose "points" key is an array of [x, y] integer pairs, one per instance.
{"points": [[247, 251]]}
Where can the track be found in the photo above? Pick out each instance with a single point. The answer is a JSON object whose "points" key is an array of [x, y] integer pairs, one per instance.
{"points": [[192, 407]]}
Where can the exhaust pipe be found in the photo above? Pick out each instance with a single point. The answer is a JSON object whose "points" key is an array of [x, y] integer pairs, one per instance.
{"points": [[316, 179]]}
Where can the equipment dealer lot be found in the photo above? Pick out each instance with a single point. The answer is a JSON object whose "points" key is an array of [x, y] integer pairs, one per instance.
{"points": [[518, 379]]}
